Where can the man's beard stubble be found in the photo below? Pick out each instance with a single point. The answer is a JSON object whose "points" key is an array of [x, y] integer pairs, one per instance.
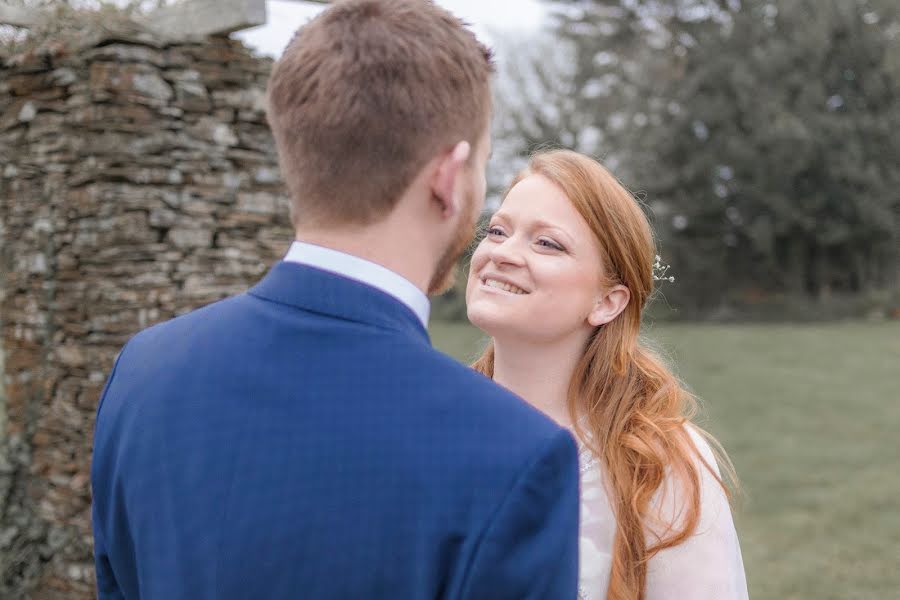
{"points": [[445, 272]]}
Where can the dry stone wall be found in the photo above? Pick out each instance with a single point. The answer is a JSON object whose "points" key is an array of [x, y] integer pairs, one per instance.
{"points": [[138, 180]]}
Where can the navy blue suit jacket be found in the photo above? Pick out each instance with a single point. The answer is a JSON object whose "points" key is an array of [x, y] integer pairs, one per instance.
{"points": [[304, 440]]}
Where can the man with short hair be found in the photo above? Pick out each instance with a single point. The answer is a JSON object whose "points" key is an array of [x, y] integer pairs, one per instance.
{"points": [[304, 440]]}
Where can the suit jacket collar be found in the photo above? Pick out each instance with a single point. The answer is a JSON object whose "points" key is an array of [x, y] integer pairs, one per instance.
{"points": [[363, 270], [324, 292]]}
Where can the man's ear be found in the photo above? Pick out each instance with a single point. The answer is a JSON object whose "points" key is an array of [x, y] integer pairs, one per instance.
{"points": [[610, 305], [445, 180]]}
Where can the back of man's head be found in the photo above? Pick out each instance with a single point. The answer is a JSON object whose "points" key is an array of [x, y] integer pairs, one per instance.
{"points": [[364, 96]]}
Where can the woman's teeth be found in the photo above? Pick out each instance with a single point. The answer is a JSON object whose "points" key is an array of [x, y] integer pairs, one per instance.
{"points": [[506, 287]]}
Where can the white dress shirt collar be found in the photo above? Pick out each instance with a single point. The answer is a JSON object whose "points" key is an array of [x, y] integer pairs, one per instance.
{"points": [[364, 271]]}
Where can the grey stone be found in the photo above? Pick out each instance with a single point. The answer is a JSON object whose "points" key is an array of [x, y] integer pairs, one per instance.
{"points": [[183, 75], [256, 202], [190, 238], [253, 99], [171, 111], [224, 135], [28, 112], [267, 175], [70, 355], [193, 96], [162, 217], [210, 129], [63, 77], [233, 181], [152, 85], [124, 53]]}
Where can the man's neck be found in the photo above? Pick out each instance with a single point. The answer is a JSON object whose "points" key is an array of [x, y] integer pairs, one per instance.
{"points": [[380, 245]]}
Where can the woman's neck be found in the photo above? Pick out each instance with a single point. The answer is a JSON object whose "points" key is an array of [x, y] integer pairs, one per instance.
{"points": [[540, 374]]}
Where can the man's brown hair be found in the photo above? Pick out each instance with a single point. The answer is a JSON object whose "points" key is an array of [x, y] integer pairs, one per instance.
{"points": [[364, 96]]}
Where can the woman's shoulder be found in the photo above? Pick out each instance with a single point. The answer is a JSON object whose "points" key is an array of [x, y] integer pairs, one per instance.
{"points": [[675, 496], [704, 450], [708, 563]]}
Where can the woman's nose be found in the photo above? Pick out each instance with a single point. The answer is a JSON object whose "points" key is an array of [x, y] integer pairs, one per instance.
{"points": [[507, 252]]}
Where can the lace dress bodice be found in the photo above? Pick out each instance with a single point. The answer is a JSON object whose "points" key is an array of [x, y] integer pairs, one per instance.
{"points": [[706, 566]]}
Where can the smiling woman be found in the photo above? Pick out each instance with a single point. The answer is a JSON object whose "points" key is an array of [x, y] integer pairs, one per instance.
{"points": [[560, 283]]}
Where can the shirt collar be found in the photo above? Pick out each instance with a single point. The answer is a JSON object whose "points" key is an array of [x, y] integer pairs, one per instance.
{"points": [[362, 270]]}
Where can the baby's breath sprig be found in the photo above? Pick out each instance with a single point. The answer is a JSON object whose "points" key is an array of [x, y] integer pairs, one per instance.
{"points": [[660, 271]]}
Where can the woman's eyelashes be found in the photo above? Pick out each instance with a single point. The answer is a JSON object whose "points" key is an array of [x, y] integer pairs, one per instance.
{"points": [[498, 232], [547, 243]]}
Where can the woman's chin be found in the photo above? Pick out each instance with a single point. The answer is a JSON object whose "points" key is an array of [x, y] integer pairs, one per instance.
{"points": [[489, 320], [477, 319]]}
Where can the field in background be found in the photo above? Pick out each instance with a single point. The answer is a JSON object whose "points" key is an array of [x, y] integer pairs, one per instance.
{"points": [[810, 415]]}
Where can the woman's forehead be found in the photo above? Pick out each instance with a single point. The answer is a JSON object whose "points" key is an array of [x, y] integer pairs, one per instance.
{"points": [[541, 202]]}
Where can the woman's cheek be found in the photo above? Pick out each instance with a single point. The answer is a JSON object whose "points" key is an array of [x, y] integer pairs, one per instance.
{"points": [[479, 258]]}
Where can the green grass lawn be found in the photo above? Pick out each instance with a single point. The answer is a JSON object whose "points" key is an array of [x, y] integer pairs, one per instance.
{"points": [[810, 415]]}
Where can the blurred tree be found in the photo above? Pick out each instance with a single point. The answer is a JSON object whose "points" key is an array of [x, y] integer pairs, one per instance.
{"points": [[591, 81], [625, 55], [779, 169]]}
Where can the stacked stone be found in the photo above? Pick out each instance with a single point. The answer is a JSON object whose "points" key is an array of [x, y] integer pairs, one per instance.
{"points": [[138, 180]]}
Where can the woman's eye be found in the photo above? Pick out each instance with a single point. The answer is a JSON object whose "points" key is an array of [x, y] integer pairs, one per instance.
{"points": [[495, 231], [550, 244]]}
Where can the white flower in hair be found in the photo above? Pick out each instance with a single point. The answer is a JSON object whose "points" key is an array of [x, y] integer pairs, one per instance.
{"points": [[660, 271]]}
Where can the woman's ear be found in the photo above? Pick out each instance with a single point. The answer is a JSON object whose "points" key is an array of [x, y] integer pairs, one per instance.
{"points": [[610, 305], [446, 180]]}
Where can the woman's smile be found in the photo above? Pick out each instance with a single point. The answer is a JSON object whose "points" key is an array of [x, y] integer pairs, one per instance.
{"points": [[493, 283]]}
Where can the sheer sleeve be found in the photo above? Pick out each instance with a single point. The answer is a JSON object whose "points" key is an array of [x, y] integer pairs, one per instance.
{"points": [[598, 528], [708, 565]]}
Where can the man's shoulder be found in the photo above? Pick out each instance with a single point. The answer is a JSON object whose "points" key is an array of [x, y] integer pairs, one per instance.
{"points": [[194, 320], [490, 406], [405, 365], [494, 437], [179, 339]]}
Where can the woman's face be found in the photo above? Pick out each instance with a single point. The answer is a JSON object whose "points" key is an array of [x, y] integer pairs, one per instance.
{"points": [[538, 273]]}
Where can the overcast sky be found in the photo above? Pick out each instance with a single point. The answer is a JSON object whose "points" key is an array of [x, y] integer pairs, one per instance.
{"points": [[484, 15]]}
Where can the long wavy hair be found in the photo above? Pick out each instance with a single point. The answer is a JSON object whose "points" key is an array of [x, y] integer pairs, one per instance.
{"points": [[628, 408]]}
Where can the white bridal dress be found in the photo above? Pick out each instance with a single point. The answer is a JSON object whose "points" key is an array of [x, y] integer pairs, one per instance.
{"points": [[707, 566]]}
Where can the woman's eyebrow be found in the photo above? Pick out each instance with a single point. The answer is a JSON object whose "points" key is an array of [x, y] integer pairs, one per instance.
{"points": [[542, 224]]}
